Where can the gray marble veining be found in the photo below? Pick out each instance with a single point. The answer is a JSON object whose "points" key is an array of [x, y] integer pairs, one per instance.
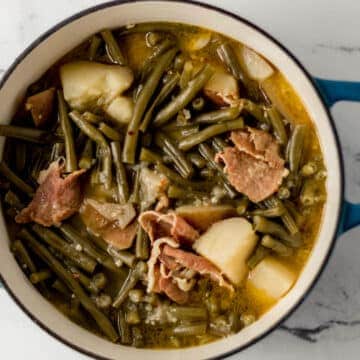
{"points": [[324, 35]]}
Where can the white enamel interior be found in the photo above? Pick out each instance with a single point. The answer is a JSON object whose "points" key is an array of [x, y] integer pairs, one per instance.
{"points": [[64, 39]]}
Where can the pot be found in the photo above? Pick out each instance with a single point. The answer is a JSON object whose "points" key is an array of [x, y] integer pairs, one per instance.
{"points": [[317, 95]]}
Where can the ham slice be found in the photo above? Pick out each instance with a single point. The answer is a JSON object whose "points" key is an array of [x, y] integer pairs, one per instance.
{"points": [[56, 198], [197, 263], [253, 166], [159, 225]]}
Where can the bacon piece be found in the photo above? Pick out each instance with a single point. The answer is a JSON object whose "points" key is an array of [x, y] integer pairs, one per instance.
{"points": [[254, 166], [259, 144], [121, 239], [159, 225], [41, 106], [197, 263], [55, 199], [171, 289]]}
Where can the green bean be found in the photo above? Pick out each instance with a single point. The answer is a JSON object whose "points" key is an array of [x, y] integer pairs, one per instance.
{"points": [[103, 301], [123, 328], [102, 321], [96, 136], [57, 151], [20, 156], [124, 256], [283, 193], [141, 244], [296, 147], [209, 132], [265, 226], [197, 160], [277, 124], [147, 155], [14, 179], [257, 111], [242, 206], [135, 195], [292, 209], [112, 48], [186, 74], [286, 217], [121, 177], [95, 43], [88, 248], [198, 103], [179, 132], [271, 212], [165, 91], [187, 313], [195, 329], [27, 134], [311, 193], [177, 179], [92, 118], [55, 241], [97, 283], [40, 276], [209, 156], [276, 246], [257, 256], [151, 61], [177, 156], [13, 200], [137, 337], [86, 160], [309, 169], [175, 192], [20, 252], [179, 62], [77, 274], [208, 173], [219, 144], [70, 153], [228, 57], [109, 132], [61, 288], [217, 116], [185, 96], [141, 104], [134, 276], [247, 319]]}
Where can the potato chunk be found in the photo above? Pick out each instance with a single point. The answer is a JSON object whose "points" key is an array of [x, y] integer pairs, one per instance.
{"points": [[222, 89], [256, 66], [228, 244], [121, 110], [88, 84], [201, 217], [273, 277]]}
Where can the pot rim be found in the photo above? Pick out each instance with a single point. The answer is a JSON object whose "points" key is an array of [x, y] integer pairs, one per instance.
{"points": [[228, 13]]}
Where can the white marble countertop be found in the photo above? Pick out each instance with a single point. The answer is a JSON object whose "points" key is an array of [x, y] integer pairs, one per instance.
{"points": [[325, 36]]}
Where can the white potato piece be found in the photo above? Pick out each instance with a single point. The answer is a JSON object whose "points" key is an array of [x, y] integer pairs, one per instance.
{"points": [[222, 89], [255, 65], [121, 109], [228, 244], [87, 84], [273, 277], [198, 41]]}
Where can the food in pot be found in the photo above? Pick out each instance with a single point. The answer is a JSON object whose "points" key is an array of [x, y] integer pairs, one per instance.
{"points": [[163, 185]]}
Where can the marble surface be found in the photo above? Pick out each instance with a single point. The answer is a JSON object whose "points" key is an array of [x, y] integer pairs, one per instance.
{"points": [[324, 35]]}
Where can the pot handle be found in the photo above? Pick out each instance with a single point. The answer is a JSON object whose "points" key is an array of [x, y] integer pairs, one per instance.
{"points": [[334, 91]]}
